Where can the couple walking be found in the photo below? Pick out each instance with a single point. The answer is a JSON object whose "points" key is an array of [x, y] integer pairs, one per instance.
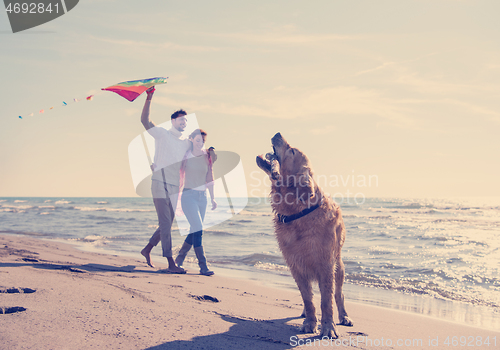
{"points": [[181, 166]]}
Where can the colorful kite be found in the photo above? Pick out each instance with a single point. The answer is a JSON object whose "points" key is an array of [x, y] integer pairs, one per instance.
{"points": [[134, 88], [128, 89]]}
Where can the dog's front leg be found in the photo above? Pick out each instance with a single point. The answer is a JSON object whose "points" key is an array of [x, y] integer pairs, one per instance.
{"points": [[328, 328], [339, 296], [305, 287]]}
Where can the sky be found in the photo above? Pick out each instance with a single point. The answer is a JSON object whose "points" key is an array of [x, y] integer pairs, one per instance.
{"points": [[400, 96]]}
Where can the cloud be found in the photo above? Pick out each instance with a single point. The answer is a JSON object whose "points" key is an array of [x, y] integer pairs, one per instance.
{"points": [[382, 66], [285, 38], [139, 45], [286, 103], [491, 115], [288, 34]]}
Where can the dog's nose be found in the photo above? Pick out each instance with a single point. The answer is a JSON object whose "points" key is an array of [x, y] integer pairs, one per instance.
{"points": [[277, 137]]}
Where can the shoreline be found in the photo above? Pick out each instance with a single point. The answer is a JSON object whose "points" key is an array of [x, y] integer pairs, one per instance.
{"points": [[453, 311], [83, 299]]}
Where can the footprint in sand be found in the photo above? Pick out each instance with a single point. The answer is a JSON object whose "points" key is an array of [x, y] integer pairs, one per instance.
{"points": [[205, 298], [17, 290], [11, 310]]}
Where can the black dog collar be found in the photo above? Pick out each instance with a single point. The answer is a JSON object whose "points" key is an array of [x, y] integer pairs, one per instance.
{"points": [[285, 219]]}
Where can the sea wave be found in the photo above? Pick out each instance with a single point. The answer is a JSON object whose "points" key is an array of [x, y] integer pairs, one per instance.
{"points": [[407, 210], [271, 267], [94, 239], [25, 233], [377, 250], [259, 258], [219, 233], [18, 207], [62, 201], [253, 213], [123, 210], [418, 287]]}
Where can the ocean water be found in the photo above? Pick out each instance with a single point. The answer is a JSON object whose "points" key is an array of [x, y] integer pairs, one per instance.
{"points": [[436, 257]]}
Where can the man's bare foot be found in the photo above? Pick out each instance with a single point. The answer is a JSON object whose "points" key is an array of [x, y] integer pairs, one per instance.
{"points": [[173, 268], [146, 252], [176, 269]]}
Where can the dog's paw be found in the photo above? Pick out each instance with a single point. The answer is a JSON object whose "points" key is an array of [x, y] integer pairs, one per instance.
{"points": [[309, 326], [271, 156], [346, 321], [329, 330], [275, 166]]}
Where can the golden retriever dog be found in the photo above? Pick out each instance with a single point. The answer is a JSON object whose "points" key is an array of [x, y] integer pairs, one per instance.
{"points": [[310, 233]]}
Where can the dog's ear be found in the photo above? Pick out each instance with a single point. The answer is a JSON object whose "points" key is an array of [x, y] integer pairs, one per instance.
{"points": [[305, 187]]}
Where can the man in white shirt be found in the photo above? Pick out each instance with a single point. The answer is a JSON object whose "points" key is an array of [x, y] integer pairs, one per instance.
{"points": [[170, 148]]}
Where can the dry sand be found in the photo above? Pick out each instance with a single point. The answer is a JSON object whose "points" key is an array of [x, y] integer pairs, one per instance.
{"points": [[53, 296]]}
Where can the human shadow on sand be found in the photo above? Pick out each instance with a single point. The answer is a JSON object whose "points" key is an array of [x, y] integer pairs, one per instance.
{"points": [[80, 268]]}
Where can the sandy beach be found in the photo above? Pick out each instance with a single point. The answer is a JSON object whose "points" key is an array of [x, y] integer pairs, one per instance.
{"points": [[53, 296]]}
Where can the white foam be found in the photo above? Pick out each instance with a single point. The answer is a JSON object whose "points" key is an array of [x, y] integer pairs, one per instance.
{"points": [[18, 206], [124, 210], [63, 202], [271, 267], [249, 213]]}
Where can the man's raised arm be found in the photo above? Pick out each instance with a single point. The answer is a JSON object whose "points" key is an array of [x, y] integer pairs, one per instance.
{"points": [[148, 124]]}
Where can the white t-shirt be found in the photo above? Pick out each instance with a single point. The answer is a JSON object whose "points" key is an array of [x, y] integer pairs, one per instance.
{"points": [[170, 148]]}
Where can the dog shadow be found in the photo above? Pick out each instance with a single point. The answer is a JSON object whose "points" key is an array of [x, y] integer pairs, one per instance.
{"points": [[243, 334]]}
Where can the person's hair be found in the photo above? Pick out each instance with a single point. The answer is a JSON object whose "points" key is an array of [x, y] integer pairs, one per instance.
{"points": [[196, 133], [178, 114]]}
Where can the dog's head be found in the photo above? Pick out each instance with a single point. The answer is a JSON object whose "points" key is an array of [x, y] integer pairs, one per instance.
{"points": [[289, 170]]}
